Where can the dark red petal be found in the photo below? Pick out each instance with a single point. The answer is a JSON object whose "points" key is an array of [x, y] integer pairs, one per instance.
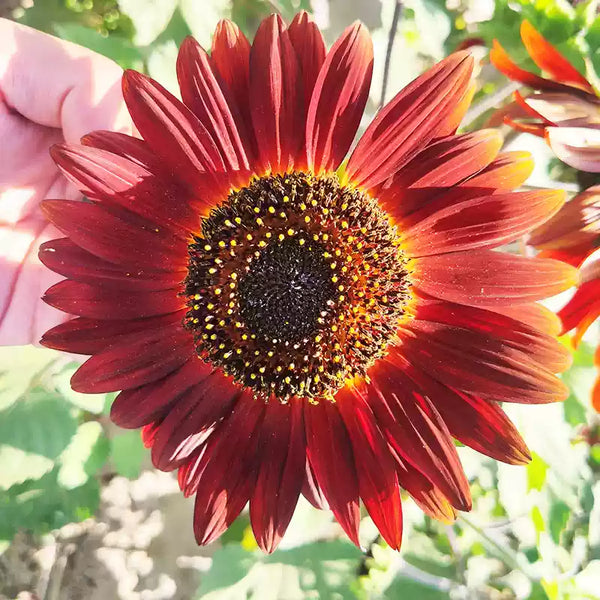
{"points": [[487, 278], [143, 405], [339, 98], [171, 129], [501, 60], [311, 490], [535, 315], [192, 419], [137, 245], [126, 146], [541, 347], [419, 113], [310, 50], [230, 57], [134, 360], [97, 173], [583, 308], [477, 364], [228, 470], [330, 453], [446, 225], [69, 260], [416, 432], [276, 96], [116, 180], [375, 466], [90, 336], [282, 449], [428, 497], [95, 302], [202, 93], [449, 161], [482, 425], [548, 59], [507, 172]]}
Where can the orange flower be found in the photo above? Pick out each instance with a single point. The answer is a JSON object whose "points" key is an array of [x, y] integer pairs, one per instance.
{"points": [[282, 324], [564, 108]]}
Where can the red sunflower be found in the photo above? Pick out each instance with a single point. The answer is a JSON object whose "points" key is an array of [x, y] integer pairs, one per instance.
{"points": [[564, 108], [283, 322]]}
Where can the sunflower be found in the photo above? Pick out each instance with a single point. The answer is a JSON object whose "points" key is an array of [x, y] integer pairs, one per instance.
{"points": [[564, 108], [282, 321]]}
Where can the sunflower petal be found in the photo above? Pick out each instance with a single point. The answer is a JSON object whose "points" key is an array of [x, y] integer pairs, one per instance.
{"points": [[202, 93], [330, 453], [418, 114], [487, 278], [282, 447], [339, 98], [377, 480], [276, 96]]}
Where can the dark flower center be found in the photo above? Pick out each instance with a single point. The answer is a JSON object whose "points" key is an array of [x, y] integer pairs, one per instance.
{"points": [[295, 285]]}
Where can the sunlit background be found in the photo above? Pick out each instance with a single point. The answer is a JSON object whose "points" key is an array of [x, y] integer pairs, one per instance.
{"points": [[83, 515]]}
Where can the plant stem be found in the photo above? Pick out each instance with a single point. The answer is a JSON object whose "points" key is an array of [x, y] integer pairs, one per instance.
{"points": [[388, 52]]}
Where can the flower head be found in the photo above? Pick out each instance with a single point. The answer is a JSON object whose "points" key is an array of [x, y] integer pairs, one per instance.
{"points": [[564, 108], [282, 321]]}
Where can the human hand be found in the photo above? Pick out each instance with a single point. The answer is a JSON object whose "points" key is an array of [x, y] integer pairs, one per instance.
{"points": [[51, 91]]}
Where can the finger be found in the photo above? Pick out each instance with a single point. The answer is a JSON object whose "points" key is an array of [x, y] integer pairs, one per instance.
{"points": [[58, 84], [23, 280]]}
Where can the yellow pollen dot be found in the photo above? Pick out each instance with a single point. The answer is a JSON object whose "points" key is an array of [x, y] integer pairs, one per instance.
{"points": [[233, 243], [238, 351], [288, 380], [290, 231], [268, 234], [313, 202], [213, 336], [232, 285], [345, 224], [262, 369], [270, 353], [334, 278], [302, 241], [262, 243], [279, 368], [359, 245], [333, 265], [196, 321], [221, 322], [233, 275], [256, 209], [209, 326], [207, 248], [336, 359], [259, 221], [325, 236], [196, 306], [248, 236], [316, 378], [229, 223], [238, 220], [252, 375], [338, 252], [222, 244], [212, 270], [316, 237], [197, 297], [210, 306], [271, 209], [281, 236], [245, 336], [282, 215], [291, 366], [344, 206], [286, 198], [238, 324], [334, 328], [341, 317], [318, 339], [303, 206], [218, 291]]}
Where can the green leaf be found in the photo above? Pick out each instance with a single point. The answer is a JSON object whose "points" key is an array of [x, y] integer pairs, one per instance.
{"points": [[559, 517], [93, 403], [127, 453], [119, 49], [19, 368], [536, 472], [202, 18], [316, 570], [33, 433], [149, 17], [403, 587], [43, 504], [85, 454]]}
